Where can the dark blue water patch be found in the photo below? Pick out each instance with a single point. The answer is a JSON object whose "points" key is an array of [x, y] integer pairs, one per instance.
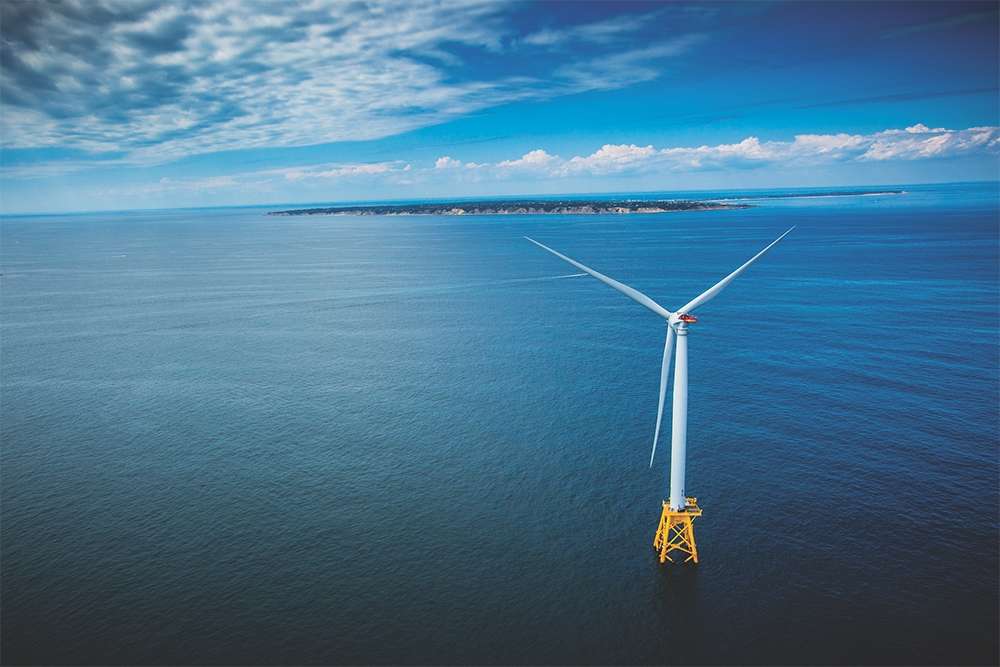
{"points": [[229, 439]]}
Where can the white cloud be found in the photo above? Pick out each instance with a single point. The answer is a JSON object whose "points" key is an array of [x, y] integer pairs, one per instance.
{"points": [[915, 142], [611, 158], [826, 144], [537, 161], [349, 171], [806, 150], [159, 79], [598, 32], [447, 163], [751, 151], [617, 70], [803, 153], [921, 142], [167, 185]]}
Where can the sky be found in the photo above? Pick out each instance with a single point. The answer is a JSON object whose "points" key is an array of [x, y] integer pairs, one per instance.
{"points": [[118, 105]]}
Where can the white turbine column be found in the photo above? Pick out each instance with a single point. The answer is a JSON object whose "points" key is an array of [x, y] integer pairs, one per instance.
{"points": [[678, 440]]}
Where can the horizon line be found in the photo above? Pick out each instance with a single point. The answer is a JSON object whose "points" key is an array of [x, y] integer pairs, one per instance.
{"points": [[523, 197]]}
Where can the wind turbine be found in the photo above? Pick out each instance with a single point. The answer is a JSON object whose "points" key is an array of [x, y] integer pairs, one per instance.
{"points": [[675, 531]]}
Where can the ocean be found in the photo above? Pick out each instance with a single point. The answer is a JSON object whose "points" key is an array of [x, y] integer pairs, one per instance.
{"points": [[227, 438]]}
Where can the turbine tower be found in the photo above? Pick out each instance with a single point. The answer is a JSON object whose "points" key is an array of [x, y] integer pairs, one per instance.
{"points": [[675, 531]]}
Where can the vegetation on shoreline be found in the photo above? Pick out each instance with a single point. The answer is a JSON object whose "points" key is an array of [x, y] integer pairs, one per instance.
{"points": [[521, 207]]}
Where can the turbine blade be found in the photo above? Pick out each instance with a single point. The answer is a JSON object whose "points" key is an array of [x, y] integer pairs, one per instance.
{"points": [[633, 294], [710, 294], [664, 372]]}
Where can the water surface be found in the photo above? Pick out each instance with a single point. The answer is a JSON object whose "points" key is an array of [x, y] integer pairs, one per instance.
{"points": [[234, 439]]}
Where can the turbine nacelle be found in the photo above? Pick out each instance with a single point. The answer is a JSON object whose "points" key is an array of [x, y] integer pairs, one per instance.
{"points": [[681, 320]]}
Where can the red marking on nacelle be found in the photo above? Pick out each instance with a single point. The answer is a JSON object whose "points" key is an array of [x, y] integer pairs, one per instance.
{"points": [[687, 318]]}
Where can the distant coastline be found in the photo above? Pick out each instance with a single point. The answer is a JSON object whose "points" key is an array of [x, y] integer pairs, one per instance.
{"points": [[523, 207], [568, 206], [810, 195]]}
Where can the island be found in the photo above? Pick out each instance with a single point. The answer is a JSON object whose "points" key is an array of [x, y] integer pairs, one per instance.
{"points": [[576, 206], [523, 207]]}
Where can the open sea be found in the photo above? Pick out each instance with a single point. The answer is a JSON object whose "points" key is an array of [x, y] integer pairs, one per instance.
{"points": [[231, 439]]}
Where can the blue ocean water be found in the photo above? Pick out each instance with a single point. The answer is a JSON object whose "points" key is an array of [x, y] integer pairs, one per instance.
{"points": [[227, 438]]}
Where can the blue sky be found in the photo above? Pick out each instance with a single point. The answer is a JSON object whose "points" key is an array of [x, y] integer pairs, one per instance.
{"points": [[149, 104]]}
